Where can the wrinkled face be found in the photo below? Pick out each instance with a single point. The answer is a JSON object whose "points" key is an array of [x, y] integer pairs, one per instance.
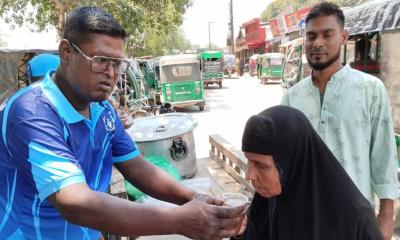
{"points": [[263, 174], [324, 37], [86, 85]]}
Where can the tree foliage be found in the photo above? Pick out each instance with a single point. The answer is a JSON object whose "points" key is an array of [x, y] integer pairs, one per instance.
{"points": [[162, 43], [137, 16], [277, 6]]}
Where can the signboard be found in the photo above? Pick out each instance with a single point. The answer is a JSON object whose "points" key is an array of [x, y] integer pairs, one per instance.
{"points": [[292, 20], [273, 23]]}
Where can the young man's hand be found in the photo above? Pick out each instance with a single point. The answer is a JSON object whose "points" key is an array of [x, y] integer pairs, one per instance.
{"points": [[385, 218]]}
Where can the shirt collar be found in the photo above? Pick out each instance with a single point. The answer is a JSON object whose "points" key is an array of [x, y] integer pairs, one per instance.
{"points": [[341, 74], [62, 105]]}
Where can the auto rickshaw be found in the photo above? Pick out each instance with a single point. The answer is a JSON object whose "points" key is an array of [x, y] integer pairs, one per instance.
{"points": [[180, 80], [229, 65], [211, 63], [151, 85], [295, 66], [270, 68]]}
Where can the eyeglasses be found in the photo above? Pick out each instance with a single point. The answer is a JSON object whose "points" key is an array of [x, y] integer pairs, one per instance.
{"points": [[100, 64]]}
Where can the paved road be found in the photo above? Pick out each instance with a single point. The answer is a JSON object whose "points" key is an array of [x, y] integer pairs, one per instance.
{"points": [[227, 109]]}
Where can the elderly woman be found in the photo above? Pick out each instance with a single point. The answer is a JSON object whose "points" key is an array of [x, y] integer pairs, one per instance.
{"points": [[302, 191]]}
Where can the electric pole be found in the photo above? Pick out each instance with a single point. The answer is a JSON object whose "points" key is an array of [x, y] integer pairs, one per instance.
{"points": [[231, 27]]}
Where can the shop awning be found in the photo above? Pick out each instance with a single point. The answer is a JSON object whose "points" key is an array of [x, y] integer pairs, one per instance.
{"points": [[374, 16]]}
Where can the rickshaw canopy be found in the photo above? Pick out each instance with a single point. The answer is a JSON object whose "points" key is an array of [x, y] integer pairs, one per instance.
{"points": [[179, 68], [268, 59], [211, 54], [178, 59], [273, 55], [374, 16]]}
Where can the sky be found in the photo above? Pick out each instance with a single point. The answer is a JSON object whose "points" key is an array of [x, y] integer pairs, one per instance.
{"points": [[20, 38], [196, 19], [195, 24]]}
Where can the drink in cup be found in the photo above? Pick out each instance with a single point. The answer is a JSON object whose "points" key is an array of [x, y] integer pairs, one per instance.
{"points": [[234, 199]]}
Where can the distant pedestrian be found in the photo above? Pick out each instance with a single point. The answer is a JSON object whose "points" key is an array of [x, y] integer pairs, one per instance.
{"points": [[40, 64]]}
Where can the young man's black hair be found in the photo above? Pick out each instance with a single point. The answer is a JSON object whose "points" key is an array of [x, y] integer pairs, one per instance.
{"points": [[326, 9]]}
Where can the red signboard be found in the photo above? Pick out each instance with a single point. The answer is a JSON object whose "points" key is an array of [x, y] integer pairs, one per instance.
{"points": [[255, 34], [292, 20], [273, 23]]}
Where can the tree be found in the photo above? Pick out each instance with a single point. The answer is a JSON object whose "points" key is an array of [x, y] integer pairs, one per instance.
{"points": [[135, 15], [277, 6], [163, 43]]}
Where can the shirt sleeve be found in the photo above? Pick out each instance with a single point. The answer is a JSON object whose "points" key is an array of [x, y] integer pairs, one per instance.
{"points": [[123, 146], [39, 151], [383, 154]]}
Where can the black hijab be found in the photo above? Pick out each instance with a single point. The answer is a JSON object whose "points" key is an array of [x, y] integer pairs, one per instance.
{"points": [[319, 201]]}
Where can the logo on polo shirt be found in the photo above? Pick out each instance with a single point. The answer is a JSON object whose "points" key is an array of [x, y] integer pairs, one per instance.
{"points": [[109, 121]]}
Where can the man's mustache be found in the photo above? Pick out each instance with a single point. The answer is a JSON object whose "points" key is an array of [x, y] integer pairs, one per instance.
{"points": [[317, 51]]}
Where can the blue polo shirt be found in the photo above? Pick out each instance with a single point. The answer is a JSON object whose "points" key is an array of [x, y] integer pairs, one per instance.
{"points": [[46, 145]]}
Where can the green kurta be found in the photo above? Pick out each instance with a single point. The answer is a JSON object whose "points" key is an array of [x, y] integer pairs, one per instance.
{"points": [[353, 118]]}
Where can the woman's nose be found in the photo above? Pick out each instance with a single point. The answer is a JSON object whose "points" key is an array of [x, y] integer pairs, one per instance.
{"points": [[250, 174]]}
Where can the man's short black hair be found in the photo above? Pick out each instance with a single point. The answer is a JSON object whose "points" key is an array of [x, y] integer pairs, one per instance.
{"points": [[326, 9], [83, 21]]}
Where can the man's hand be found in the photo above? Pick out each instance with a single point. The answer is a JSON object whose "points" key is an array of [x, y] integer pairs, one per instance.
{"points": [[204, 218], [219, 202], [385, 218]]}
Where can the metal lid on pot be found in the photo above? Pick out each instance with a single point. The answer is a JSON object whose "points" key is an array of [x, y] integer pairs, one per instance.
{"points": [[161, 127]]}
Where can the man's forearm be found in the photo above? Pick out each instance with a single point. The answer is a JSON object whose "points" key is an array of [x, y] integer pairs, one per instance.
{"points": [[386, 208], [385, 218], [81, 206]]}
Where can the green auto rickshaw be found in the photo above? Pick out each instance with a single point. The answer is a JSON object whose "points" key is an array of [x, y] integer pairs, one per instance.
{"points": [[295, 67], [130, 91], [212, 67], [146, 67], [270, 68], [180, 80]]}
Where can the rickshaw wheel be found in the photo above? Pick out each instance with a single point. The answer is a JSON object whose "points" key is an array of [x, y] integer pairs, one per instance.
{"points": [[220, 84], [201, 108]]}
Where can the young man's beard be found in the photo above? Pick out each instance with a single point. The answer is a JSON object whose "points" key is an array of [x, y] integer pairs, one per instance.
{"points": [[322, 66]]}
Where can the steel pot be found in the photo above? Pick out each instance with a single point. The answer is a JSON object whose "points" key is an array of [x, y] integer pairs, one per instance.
{"points": [[168, 135]]}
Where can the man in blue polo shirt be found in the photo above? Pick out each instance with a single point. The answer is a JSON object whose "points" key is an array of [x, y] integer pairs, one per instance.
{"points": [[60, 138]]}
